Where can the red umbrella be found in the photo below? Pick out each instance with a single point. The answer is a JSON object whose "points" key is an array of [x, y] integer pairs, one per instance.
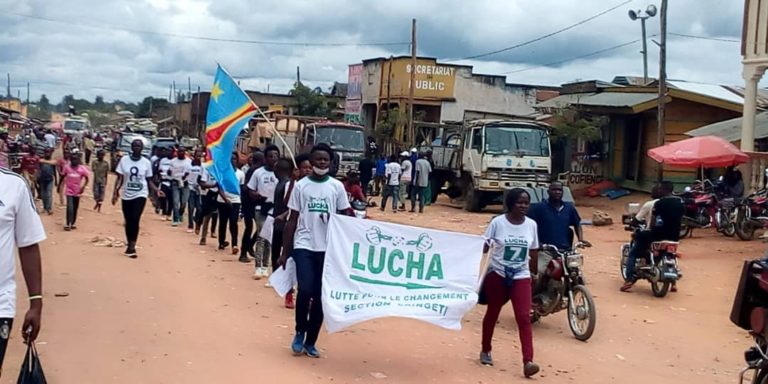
{"points": [[704, 152]]}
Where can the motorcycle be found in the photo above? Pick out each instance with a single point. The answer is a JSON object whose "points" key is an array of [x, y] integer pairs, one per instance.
{"points": [[561, 286], [700, 208], [750, 312], [659, 266], [751, 214], [725, 217]]}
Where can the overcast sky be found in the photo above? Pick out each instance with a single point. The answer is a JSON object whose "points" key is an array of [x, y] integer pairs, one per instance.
{"points": [[90, 47]]}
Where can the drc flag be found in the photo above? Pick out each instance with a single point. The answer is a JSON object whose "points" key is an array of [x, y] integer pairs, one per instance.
{"points": [[229, 110]]}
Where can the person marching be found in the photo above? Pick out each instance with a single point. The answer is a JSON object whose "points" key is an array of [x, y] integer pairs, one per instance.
{"points": [[229, 210], [73, 176], [179, 169], [47, 178], [250, 205], [100, 169], [194, 203], [134, 177], [312, 203], [513, 260], [261, 188]]}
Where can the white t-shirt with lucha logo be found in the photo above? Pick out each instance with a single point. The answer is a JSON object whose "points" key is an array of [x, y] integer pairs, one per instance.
{"points": [[316, 202], [20, 226], [264, 183], [135, 174], [510, 245]]}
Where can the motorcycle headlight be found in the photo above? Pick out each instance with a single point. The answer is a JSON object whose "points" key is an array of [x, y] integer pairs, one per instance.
{"points": [[575, 261], [492, 175]]}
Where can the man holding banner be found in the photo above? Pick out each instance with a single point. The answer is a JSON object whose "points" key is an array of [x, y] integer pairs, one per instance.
{"points": [[314, 201]]}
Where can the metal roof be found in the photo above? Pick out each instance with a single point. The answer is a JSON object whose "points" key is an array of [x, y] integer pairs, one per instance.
{"points": [[730, 130], [600, 99], [711, 90]]}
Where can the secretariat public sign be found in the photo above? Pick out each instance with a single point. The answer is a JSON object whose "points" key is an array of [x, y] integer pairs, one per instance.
{"points": [[375, 269]]}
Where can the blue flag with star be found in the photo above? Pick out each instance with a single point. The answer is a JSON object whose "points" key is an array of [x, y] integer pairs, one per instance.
{"points": [[229, 110]]}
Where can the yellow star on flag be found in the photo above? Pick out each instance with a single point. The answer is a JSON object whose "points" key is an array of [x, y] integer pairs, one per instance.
{"points": [[216, 92]]}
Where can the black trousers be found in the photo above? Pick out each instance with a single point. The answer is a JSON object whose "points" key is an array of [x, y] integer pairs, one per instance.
{"points": [[132, 210], [166, 203], [5, 331], [73, 203], [228, 214], [249, 216], [277, 247]]}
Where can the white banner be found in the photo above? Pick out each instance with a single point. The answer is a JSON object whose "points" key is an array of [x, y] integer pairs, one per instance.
{"points": [[375, 269]]}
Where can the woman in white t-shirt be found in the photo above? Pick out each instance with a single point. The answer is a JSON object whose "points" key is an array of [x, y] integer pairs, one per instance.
{"points": [[312, 204], [513, 241], [134, 177]]}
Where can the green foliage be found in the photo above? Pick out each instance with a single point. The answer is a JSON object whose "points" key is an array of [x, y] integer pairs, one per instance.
{"points": [[386, 127], [151, 106], [310, 102], [572, 124]]}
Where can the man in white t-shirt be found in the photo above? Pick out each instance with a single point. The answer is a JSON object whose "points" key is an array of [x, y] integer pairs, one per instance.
{"points": [[180, 167], [405, 177], [261, 188], [50, 139], [392, 173], [209, 206], [313, 202], [194, 203], [134, 178], [20, 228], [164, 172], [229, 210]]}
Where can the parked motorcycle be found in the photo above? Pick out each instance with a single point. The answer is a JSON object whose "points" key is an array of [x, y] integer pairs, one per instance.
{"points": [[561, 286], [700, 208], [751, 214], [750, 312], [659, 266], [725, 217]]}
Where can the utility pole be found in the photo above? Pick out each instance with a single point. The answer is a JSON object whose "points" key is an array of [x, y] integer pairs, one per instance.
{"points": [[170, 92], [176, 96], [197, 114], [27, 95], [661, 129], [189, 85], [151, 99], [412, 82], [298, 74], [9, 85]]}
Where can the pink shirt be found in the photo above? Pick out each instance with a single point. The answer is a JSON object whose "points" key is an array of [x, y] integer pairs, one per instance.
{"points": [[73, 178]]}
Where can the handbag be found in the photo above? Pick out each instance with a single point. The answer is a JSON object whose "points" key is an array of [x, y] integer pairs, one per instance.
{"points": [[31, 371]]}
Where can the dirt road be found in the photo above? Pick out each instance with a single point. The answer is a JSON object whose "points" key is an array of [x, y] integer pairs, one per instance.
{"points": [[182, 313]]}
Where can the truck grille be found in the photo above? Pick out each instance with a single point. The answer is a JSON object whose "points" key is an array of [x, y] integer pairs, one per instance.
{"points": [[522, 174]]}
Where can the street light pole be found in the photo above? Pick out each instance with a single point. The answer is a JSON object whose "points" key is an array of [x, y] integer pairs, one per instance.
{"points": [[642, 16]]}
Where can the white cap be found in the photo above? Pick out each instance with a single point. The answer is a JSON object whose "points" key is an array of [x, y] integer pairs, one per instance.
{"points": [[404, 154], [413, 150]]}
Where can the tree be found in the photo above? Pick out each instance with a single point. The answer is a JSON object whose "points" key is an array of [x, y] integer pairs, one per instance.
{"points": [[151, 106], [572, 124], [310, 102], [44, 104], [99, 104]]}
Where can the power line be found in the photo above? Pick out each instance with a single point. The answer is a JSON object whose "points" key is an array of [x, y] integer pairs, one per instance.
{"points": [[595, 53], [704, 37], [206, 38], [544, 36]]}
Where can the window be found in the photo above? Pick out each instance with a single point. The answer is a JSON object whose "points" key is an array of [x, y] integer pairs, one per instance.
{"points": [[477, 139]]}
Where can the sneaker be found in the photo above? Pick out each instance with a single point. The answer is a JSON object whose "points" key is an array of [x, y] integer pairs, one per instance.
{"points": [[223, 246], [235, 250], [213, 235], [243, 259], [485, 358], [297, 346], [67, 228], [289, 301], [530, 368], [202, 241], [175, 224], [311, 351], [256, 275], [73, 227], [189, 230], [131, 252], [197, 229]]}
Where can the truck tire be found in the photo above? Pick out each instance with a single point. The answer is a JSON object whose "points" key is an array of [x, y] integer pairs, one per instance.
{"points": [[472, 198], [437, 186]]}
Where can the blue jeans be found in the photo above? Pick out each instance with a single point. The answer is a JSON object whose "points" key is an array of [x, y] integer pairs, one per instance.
{"points": [[394, 191], [640, 246], [309, 274], [46, 194], [422, 192], [180, 197], [195, 205]]}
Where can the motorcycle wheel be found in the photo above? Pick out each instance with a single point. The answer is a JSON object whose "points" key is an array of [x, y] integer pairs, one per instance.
{"points": [[730, 229], [658, 287], [744, 229], [623, 265], [581, 313], [685, 230]]}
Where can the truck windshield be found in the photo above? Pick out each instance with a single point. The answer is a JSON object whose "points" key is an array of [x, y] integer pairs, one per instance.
{"points": [[74, 125], [518, 141], [341, 138]]}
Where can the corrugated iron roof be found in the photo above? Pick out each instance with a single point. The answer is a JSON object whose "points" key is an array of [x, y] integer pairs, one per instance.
{"points": [[600, 99], [711, 90], [730, 130]]}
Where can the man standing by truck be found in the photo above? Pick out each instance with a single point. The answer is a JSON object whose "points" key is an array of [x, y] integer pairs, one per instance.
{"points": [[423, 170]]}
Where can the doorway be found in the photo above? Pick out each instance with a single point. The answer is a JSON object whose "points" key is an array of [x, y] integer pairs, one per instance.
{"points": [[633, 143]]}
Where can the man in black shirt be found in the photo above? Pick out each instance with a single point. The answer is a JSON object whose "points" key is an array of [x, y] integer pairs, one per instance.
{"points": [[664, 225], [366, 172]]}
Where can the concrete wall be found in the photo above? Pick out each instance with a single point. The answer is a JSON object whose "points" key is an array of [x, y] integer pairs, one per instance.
{"points": [[486, 94], [371, 81]]}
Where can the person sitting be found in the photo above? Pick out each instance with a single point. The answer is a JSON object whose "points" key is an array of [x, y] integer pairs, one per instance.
{"points": [[644, 214], [664, 224], [353, 188]]}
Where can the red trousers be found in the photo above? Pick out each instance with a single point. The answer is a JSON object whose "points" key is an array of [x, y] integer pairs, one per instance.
{"points": [[497, 295]]}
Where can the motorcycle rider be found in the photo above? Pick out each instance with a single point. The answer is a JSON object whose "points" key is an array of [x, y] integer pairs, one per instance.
{"points": [[664, 224], [644, 214], [555, 218]]}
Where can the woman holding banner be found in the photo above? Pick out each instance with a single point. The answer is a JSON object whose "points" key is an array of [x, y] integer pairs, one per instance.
{"points": [[312, 203], [513, 258]]}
